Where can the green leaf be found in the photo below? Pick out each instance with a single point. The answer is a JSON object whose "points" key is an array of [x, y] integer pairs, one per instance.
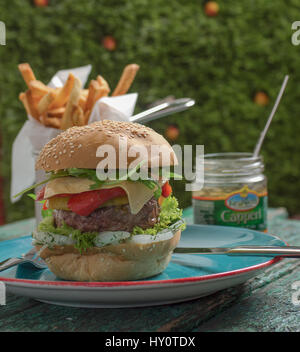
{"points": [[169, 214], [31, 187], [46, 212], [91, 174], [83, 240], [32, 195]]}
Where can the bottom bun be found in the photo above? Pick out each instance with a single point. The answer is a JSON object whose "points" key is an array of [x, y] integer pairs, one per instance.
{"points": [[121, 262]]}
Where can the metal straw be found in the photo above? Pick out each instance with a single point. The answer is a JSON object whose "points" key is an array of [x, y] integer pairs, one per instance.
{"points": [[265, 130]]}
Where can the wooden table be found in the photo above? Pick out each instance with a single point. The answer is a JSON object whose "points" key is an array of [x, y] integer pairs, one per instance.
{"points": [[264, 303]]}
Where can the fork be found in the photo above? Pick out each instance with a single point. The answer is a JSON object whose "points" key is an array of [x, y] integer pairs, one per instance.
{"points": [[162, 110], [31, 257]]}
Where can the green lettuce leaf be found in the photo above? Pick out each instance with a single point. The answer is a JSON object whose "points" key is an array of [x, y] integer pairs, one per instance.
{"points": [[83, 240], [91, 174], [169, 214]]}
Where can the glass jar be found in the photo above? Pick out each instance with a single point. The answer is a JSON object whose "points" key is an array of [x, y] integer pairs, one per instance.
{"points": [[40, 176], [234, 192]]}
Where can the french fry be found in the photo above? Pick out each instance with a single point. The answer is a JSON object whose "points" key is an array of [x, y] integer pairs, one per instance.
{"points": [[33, 111], [82, 101], [102, 92], [84, 92], [104, 88], [27, 73], [86, 116], [94, 88], [45, 102], [103, 83], [78, 116], [126, 79], [39, 89], [22, 97], [54, 122], [72, 103], [95, 92], [24, 100], [63, 95], [56, 112]]}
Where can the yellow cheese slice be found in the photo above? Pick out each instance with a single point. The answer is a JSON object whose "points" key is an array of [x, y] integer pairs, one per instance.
{"points": [[138, 194]]}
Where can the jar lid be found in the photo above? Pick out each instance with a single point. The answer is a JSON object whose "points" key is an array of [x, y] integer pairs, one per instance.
{"points": [[230, 164]]}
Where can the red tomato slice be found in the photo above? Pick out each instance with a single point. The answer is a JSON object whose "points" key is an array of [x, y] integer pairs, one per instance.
{"points": [[86, 202], [166, 190]]}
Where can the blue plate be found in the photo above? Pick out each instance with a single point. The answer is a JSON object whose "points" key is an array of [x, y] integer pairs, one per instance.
{"points": [[202, 274]]}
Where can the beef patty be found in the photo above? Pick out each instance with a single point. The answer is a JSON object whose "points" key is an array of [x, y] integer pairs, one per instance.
{"points": [[112, 218]]}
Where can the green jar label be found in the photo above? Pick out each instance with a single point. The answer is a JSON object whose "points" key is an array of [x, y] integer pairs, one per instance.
{"points": [[243, 208]]}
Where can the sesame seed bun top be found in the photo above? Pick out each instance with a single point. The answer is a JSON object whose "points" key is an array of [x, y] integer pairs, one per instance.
{"points": [[77, 146]]}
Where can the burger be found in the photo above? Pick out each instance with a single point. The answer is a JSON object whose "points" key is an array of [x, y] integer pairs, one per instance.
{"points": [[106, 229]]}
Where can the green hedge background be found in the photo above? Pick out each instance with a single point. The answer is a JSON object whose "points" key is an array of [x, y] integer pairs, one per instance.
{"points": [[219, 61]]}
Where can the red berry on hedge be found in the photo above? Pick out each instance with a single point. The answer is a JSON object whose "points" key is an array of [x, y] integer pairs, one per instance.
{"points": [[211, 8], [166, 190], [172, 132], [261, 98], [109, 43], [41, 3]]}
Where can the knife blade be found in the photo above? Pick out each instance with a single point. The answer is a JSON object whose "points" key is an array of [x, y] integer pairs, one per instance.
{"points": [[263, 251]]}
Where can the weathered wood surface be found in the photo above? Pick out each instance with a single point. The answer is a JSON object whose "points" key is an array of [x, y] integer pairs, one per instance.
{"points": [[263, 303], [267, 301]]}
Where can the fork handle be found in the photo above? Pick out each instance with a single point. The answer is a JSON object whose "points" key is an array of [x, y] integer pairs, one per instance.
{"points": [[7, 263]]}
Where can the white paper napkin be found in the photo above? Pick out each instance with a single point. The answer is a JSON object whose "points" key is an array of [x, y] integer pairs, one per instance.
{"points": [[33, 135], [118, 108]]}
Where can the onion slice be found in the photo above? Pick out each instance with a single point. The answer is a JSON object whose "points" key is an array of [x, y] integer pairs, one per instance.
{"points": [[110, 237], [145, 239], [51, 238], [163, 235]]}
